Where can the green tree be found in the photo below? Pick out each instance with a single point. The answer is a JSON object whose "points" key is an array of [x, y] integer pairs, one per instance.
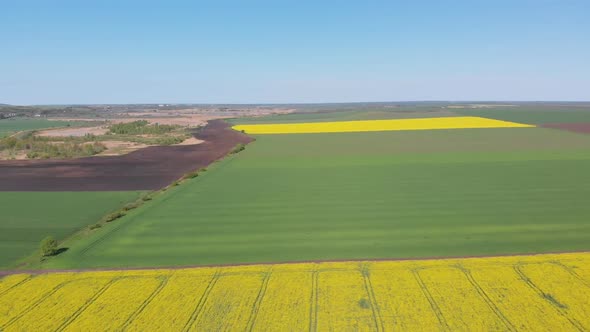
{"points": [[48, 246]]}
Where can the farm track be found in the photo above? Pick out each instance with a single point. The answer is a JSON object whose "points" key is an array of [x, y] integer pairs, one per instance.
{"points": [[151, 168], [416, 295]]}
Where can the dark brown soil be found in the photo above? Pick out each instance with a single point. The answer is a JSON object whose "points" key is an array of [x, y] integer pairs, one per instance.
{"points": [[575, 127], [151, 168]]}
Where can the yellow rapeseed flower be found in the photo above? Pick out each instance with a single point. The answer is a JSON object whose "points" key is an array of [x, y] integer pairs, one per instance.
{"points": [[461, 122], [542, 292]]}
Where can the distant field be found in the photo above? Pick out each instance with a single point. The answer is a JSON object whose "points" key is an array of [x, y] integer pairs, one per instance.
{"points": [[521, 114], [28, 217], [530, 115], [9, 126], [534, 293], [349, 115], [458, 122], [363, 195]]}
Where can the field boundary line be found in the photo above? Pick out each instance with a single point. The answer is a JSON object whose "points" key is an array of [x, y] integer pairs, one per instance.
{"points": [[197, 311], [259, 298], [486, 298], [518, 269], [430, 298], [372, 298], [91, 300], [144, 304], [343, 260], [15, 285], [313, 305]]}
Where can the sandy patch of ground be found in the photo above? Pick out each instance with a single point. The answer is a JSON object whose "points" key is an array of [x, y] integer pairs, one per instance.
{"points": [[116, 148], [191, 141], [73, 132]]}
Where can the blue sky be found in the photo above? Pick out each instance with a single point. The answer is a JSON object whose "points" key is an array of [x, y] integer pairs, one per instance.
{"points": [[58, 52]]}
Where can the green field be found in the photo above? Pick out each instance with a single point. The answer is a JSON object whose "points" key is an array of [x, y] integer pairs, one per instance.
{"points": [[531, 115], [522, 114], [363, 195], [10, 126], [28, 217]]}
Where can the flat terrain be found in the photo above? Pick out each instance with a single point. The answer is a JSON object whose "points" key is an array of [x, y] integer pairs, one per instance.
{"points": [[28, 217], [363, 195], [10, 126], [146, 169], [457, 122], [535, 293]]}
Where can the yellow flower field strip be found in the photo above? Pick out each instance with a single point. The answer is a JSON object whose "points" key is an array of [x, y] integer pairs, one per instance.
{"points": [[462, 122], [461, 306], [543, 292], [230, 303], [58, 307], [19, 300], [287, 303], [402, 304], [343, 302], [520, 304], [562, 289], [112, 308]]}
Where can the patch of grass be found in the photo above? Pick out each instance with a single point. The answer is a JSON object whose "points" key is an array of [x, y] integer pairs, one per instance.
{"points": [[9, 126], [27, 217], [362, 196]]}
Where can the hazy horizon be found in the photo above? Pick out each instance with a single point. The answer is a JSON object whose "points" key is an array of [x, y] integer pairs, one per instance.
{"points": [[266, 52]]}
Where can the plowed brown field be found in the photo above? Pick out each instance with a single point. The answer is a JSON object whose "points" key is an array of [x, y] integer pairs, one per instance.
{"points": [[146, 169], [582, 127]]}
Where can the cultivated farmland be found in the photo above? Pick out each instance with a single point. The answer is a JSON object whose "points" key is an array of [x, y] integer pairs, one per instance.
{"points": [[391, 194], [515, 293], [10, 126], [378, 125]]}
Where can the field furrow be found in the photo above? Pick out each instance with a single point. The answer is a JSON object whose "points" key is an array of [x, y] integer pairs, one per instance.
{"points": [[171, 308], [113, 308], [20, 299], [520, 304], [344, 304], [230, 303], [12, 281], [561, 289], [462, 307], [287, 302], [58, 307], [402, 304]]}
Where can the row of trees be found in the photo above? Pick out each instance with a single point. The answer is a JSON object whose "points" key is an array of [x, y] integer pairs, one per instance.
{"points": [[141, 127]]}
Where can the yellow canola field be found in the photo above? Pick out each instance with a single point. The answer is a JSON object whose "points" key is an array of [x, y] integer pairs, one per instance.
{"points": [[461, 122], [516, 293]]}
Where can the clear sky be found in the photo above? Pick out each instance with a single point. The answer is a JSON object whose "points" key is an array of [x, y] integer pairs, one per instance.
{"points": [[249, 51]]}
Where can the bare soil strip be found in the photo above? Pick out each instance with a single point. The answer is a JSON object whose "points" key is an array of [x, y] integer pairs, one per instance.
{"points": [[575, 127], [151, 168], [9, 272]]}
